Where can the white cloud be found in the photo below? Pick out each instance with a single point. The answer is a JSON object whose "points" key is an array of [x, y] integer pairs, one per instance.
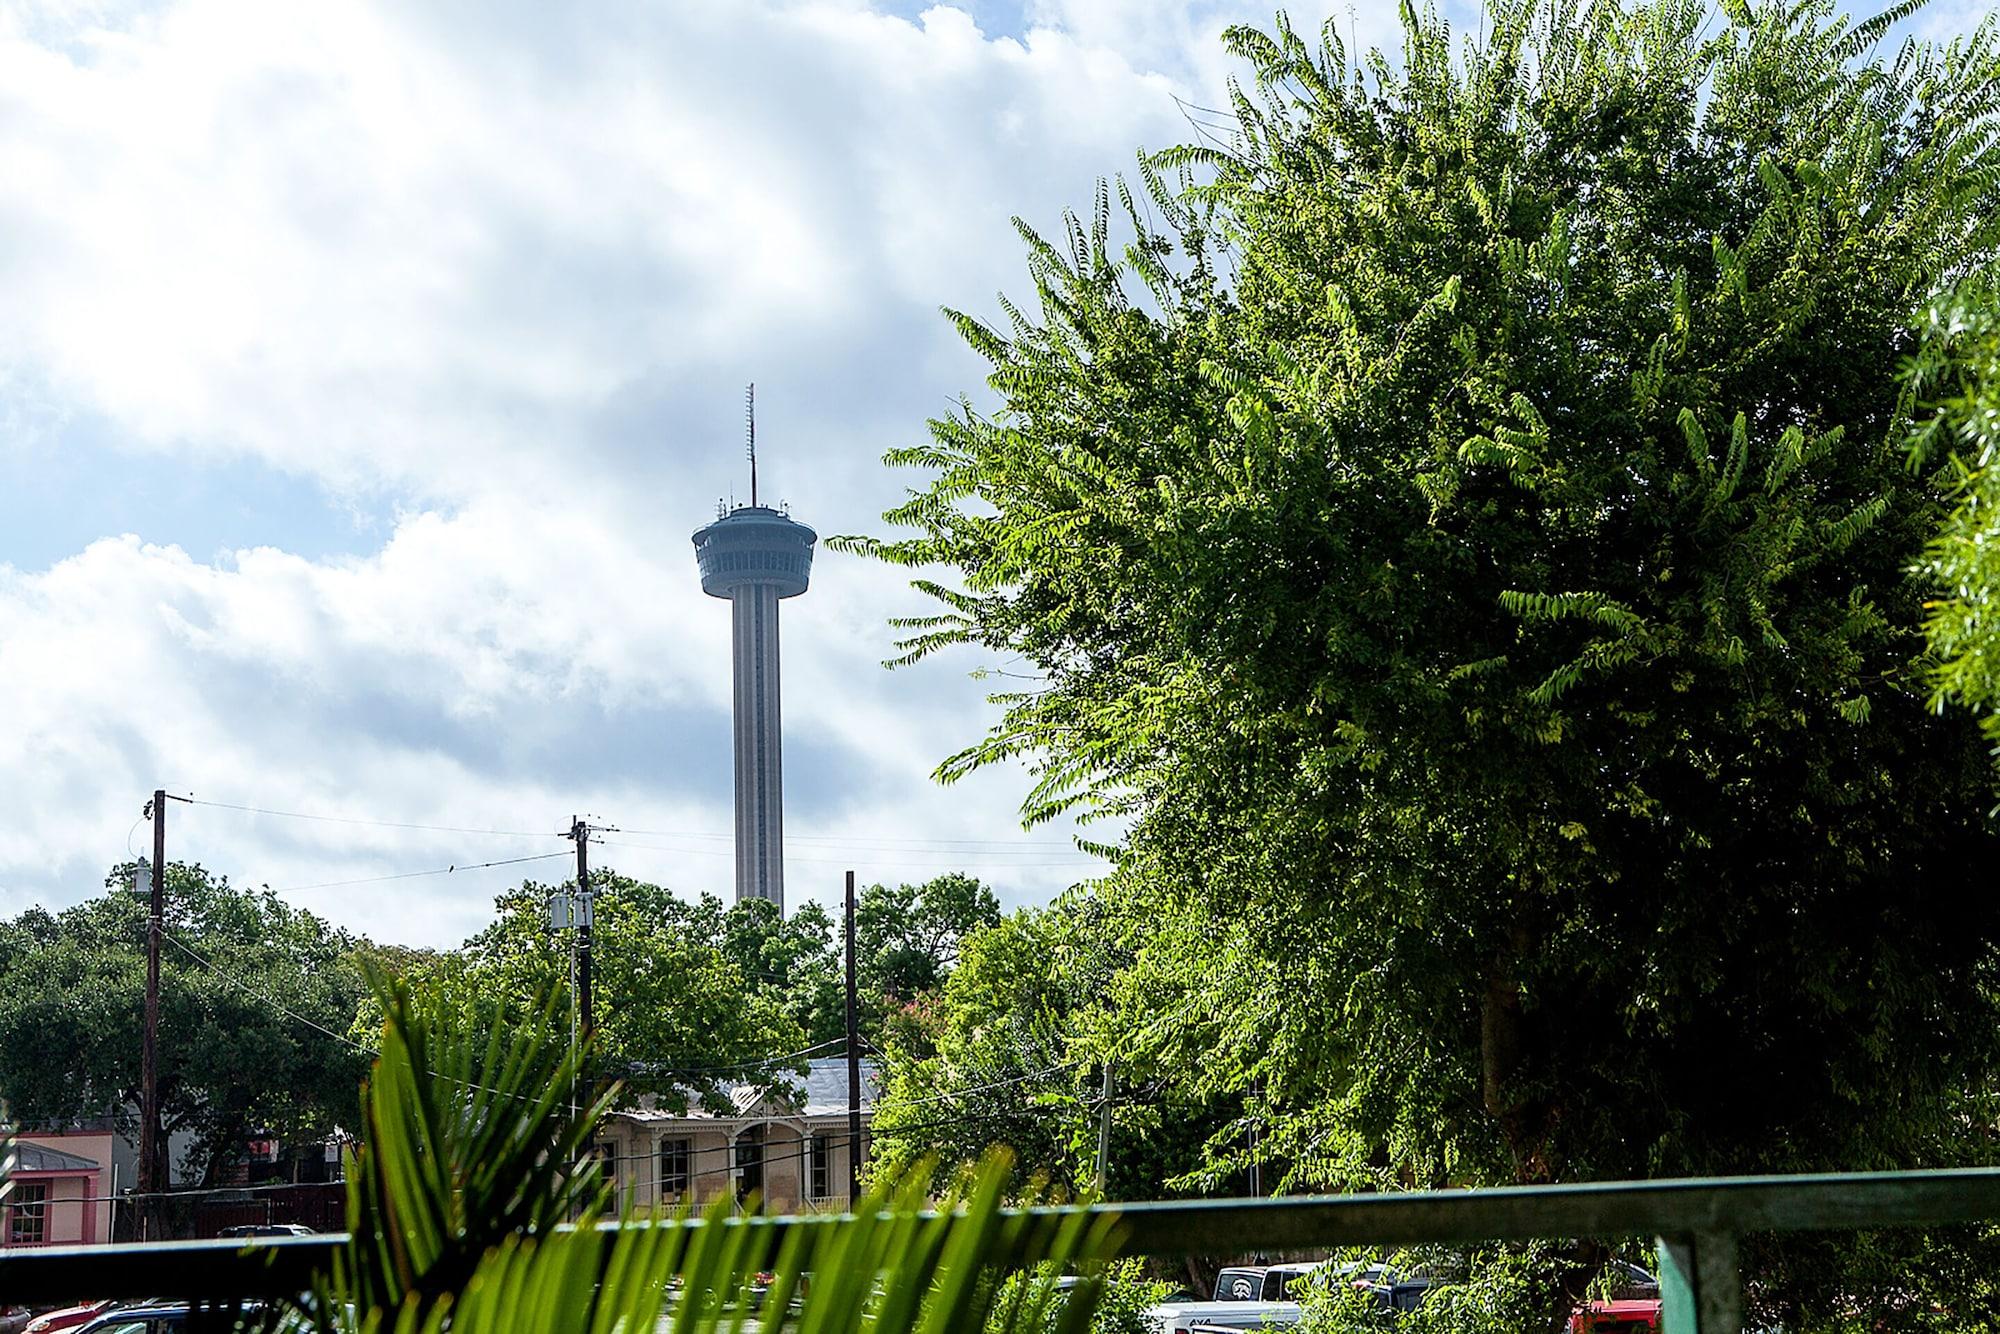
{"points": [[368, 244], [337, 689], [505, 268]]}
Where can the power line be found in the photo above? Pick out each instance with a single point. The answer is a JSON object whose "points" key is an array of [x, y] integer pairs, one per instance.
{"points": [[818, 1048], [259, 994], [939, 861], [412, 875], [867, 841], [379, 824], [315, 1025], [850, 840], [996, 1084], [366, 1050]]}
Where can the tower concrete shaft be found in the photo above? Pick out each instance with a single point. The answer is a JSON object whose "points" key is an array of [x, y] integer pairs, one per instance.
{"points": [[755, 556], [760, 761]]}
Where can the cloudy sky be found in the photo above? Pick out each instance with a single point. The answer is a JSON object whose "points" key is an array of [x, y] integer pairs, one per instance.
{"points": [[365, 368]]}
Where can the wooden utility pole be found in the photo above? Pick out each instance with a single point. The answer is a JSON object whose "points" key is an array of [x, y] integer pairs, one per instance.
{"points": [[1104, 1133], [853, 1064], [1256, 1159], [149, 1054], [580, 831]]}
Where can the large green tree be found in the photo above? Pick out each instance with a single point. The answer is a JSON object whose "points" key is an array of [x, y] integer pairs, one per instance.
{"points": [[907, 938], [906, 942], [676, 1018], [691, 997], [1466, 532], [254, 997], [1958, 373], [1011, 1049]]}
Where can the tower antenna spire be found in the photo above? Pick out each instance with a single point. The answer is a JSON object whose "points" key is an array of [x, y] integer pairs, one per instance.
{"points": [[750, 412]]}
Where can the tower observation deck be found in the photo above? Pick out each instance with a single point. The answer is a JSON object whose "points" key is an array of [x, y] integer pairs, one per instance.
{"points": [[754, 555]]}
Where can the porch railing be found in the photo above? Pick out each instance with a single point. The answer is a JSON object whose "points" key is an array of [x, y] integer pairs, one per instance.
{"points": [[1697, 1224]]}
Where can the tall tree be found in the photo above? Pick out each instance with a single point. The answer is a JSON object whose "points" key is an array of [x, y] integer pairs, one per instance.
{"points": [[795, 960], [1470, 544], [677, 1018], [908, 937], [1959, 371], [254, 994], [1010, 1051]]}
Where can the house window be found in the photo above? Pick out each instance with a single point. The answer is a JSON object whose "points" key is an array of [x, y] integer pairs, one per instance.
{"points": [[750, 1162], [822, 1164], [607, 1164], [673, 1167], [28, 1214]]}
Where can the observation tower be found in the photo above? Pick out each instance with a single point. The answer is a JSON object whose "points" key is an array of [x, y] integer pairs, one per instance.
{"points": [[754, 555]]}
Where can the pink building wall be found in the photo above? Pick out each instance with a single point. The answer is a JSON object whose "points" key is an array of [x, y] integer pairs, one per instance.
{"points": [[79, 1208]]}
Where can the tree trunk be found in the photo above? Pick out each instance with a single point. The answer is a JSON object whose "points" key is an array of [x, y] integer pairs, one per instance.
{"points": [[1523, 1122]]}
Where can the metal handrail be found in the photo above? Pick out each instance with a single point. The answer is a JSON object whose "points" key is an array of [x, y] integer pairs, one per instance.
{"points": [[1696, 1222]]}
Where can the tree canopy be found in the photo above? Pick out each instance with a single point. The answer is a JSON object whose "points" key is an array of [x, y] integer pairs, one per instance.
{"points": [[1958, 373], [692, 997], [676, 1017], [255, 996], [1466, 533]]}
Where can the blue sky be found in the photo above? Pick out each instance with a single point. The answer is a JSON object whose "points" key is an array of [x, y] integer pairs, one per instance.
{"points": [[366, 368]]}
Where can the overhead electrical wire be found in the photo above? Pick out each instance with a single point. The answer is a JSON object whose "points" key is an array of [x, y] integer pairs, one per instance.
{"points": [[804, 1053], [818, 1048], [379, 824], [937, 861], [864, 840], [942, 846], [996, 1084], [412, 875]]}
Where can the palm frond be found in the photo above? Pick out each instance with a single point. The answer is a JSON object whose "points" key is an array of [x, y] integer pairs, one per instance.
{"points": [[472, 1162]]}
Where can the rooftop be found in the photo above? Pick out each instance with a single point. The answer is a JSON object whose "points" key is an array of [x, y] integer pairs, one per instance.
{"points": [[32, 1157], [824, 1088]]}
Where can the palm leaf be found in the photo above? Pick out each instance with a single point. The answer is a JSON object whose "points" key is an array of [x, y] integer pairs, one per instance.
{"points": [[472, 1162]]}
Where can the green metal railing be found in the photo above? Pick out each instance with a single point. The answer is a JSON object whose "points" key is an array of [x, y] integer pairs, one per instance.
{"points": [[1696, 1223]]}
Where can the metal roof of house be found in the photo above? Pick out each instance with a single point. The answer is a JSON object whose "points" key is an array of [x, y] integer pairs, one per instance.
{"points": [[41, 1158], [824, 1089], [826, 1086]]}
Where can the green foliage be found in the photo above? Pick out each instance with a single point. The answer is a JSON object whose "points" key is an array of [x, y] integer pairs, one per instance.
{"points": [[471, 1161], [1491, 1291], [907, 939], [1122, 1300], [671, 1008], [1959, 370], [468, 1143], [991, 1058], [684, 989], [245, 977], [1011, 1050], [1467, 540]]}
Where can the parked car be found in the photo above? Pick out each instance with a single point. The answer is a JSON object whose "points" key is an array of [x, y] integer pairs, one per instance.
{"points": [[1632, 1305], [1240, 1283], [1401, 1290], [1183, 1317], [1282, 1282], [166, 1318], [267, 1230], [69, 1317]]}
